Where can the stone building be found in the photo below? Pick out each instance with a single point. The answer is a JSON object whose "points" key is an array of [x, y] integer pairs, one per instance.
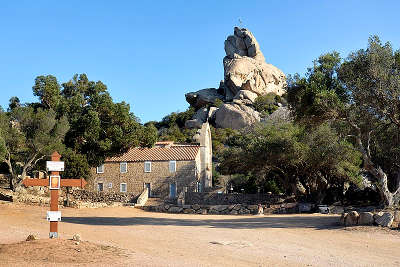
{"points": [[166, 169]]}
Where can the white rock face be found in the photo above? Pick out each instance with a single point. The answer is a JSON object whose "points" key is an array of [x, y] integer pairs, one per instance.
{"points": [[245, 67], [235, 116]]}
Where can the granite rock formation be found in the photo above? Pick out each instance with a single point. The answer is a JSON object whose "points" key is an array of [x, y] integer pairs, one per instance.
{"points": [[246, 76]]}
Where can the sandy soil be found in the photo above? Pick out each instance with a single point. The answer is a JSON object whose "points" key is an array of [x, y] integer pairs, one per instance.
{"points": [[127, 236]]}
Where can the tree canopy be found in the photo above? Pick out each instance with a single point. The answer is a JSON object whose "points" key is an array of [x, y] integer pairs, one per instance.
{"points": [[302, 161], [361, 97], [27, 136]]}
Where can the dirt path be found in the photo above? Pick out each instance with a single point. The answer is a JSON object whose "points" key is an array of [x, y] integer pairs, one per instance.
{"points": [[158, 239]]}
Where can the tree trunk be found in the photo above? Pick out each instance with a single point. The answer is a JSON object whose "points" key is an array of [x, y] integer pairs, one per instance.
{"points": [[389, 199]]}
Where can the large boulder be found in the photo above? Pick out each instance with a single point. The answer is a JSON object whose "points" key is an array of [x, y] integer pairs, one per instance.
{"points": [[203, 97], [242, 43], [282, 114], [366, 218], [245, 67], [201, 115], [246, 73], [246, 95], [352, 218], [235, 116], [384, 219]]}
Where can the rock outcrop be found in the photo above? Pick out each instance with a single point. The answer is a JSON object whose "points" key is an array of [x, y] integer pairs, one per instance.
{"points": [[235, 116], [246, 76], [203, 97]]}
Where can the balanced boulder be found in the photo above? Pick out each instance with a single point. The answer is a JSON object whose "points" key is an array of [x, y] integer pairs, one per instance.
{"points": [[246, 76], [245, 67]]}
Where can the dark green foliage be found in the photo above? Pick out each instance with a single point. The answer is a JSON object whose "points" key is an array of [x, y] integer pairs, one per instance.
{"points": [[320, 95], [220, 139], [48, 90], [99, 128], [172, 127], [267, 104], [77, 165], [13, 103], [27, 135], [148, 136], [361, 98], [176, 118], [294, 158]]}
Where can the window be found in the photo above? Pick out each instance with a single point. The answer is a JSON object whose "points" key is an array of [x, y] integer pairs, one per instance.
{"points": [[123, 187], [147, 166], [172, 166], [100, 169], [100, 187], [123, 167], [109, 185]]}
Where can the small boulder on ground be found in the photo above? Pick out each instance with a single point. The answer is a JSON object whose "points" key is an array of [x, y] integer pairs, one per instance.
{"points": [[77, 237], [31, 237], [352, 218], [384, 219], [366, 218]]}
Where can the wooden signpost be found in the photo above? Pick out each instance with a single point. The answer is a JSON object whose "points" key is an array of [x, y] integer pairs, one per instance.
{"points": [[55, 183]]}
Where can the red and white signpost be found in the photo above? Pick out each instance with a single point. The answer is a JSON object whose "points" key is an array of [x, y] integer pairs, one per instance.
{"points": [[54, 183]]}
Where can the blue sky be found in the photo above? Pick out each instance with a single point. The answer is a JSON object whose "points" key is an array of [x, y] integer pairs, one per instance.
{"points": [[150, 53]]}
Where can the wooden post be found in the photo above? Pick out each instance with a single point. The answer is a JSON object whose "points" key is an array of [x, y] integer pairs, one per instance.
{"points": [[54, 199], [54, 189]]}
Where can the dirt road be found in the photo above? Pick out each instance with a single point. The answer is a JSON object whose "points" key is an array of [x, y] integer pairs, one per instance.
{"points": [[158, 239]]}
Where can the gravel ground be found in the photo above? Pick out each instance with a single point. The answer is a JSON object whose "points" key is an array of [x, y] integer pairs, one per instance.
{"points": [[135, 237]]}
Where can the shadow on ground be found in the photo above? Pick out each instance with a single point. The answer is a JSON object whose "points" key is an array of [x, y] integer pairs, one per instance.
{"points": [[316, 222]]}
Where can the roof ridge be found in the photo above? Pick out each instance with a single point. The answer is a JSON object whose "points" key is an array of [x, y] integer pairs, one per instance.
{"points": [[158, 154]]}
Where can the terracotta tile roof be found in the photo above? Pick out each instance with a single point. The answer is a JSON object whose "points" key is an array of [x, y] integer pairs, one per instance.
{"points": [[175, 152]]}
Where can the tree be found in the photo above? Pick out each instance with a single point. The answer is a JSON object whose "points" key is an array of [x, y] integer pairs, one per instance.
{"points": [[359, 96], [99, 127], [149, 136], [304, 161], [13, 103], [48, 90], [172, 127], [27, 136], [373, 78]]}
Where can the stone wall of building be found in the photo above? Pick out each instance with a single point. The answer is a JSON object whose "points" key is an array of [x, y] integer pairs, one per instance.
{"points": [[229, 199], [159, 178]]}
